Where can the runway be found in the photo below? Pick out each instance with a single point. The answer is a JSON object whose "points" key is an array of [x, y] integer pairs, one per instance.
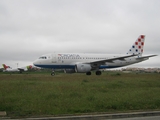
{"points": [[139, 118], [149, 115]]}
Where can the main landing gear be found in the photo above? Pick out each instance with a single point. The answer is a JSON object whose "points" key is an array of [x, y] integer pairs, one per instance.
{"points": [[88, 73], [97, 73]]}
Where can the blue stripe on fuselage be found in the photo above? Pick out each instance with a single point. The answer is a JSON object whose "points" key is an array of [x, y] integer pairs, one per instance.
{"points": [[57, 66], [71, 66]]}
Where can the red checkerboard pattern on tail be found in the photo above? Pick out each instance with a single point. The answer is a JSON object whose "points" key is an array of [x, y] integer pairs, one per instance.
{"points": [[137, 47]]}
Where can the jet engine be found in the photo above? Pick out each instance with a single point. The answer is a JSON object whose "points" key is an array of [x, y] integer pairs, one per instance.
{"points": [[83, 68]]}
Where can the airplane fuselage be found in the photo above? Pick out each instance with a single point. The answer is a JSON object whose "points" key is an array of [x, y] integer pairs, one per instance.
{"points": [[69, 60], [11, 70], [21, 69]]}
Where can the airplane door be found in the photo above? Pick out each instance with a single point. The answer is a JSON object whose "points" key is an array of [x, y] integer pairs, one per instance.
{"points": [[54, 59]]}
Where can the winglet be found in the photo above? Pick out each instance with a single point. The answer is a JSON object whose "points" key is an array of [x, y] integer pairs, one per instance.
{"points": [[137, 47]]}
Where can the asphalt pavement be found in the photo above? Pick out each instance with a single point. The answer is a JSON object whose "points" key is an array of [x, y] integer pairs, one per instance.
{"points": [[149, 115], [139, 118]]}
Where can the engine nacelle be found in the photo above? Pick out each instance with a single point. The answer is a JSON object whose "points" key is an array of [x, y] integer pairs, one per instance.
{"points": [[83, 68], [69, 71]]}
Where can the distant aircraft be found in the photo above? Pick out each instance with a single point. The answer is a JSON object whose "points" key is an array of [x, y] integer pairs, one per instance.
{"points": [[85, 63], [22, 69]]}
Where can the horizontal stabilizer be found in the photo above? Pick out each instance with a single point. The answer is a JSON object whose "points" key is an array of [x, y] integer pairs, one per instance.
{"points": [[146, 56]]}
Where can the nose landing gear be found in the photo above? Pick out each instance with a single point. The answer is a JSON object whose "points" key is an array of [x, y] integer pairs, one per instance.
{"points": [[53, 73]]}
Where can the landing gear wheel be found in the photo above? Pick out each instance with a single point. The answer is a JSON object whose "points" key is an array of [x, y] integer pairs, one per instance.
{"points": [[98, 73], [88, 73], [53, 73]]}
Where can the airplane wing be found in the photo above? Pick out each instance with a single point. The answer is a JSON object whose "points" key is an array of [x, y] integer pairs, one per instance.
{"points": [[26, 68], [21, 70], [101, 62]]}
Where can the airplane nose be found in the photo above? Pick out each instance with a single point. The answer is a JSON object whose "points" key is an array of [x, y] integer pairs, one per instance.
{"points": [[35, 62]]}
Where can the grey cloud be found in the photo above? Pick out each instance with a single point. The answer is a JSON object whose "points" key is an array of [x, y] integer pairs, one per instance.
{"points": [[30, 28]]}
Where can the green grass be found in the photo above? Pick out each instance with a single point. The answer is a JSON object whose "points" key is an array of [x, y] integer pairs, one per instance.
{"points": [[24, 95]]}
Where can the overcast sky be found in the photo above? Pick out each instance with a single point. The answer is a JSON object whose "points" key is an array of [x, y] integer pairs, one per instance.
{"points": [[31, 28]]}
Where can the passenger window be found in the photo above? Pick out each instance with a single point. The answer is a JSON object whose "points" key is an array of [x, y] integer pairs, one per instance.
{"points": [[42, 58]]}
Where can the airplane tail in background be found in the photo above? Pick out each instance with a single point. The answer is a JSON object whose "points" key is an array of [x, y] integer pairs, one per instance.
{"points": [[5, 67], [29, 67], [137, 47]]}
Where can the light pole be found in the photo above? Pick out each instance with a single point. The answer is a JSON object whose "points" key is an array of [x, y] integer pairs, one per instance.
{"points": [[17, 65]]}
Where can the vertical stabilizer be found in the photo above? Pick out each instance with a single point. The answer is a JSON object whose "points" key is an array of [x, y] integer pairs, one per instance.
{"points": [[29, 67], [137, 47], [4, 66]]}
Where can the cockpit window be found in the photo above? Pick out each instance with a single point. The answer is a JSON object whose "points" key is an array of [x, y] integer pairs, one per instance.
{"points": [[43, 57]]}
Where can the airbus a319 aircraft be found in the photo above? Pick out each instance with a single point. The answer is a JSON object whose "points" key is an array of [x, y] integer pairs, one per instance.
{"points": [[85, 63], [21, 69]]}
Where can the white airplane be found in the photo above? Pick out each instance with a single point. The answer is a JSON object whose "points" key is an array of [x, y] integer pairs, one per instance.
{"points": [[85, 63], [22, 69]]}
